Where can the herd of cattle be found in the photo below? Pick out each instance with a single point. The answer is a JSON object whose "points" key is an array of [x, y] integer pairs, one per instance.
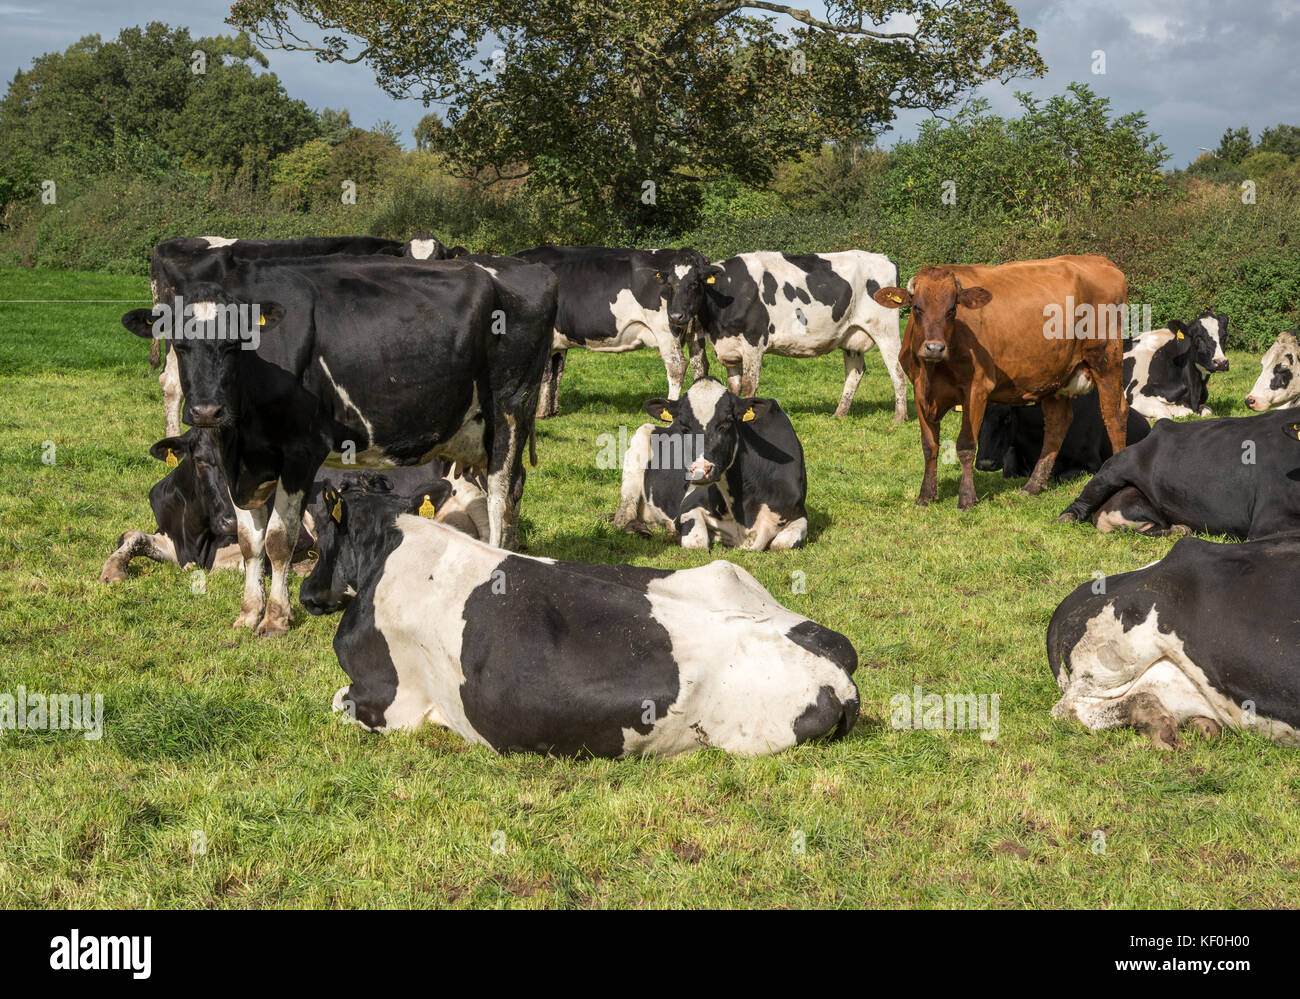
{"points": [[359, 411]]}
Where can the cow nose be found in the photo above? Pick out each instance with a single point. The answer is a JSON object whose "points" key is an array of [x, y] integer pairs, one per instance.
{"points": [[226, 524], [701, 471], [676, 317], [207, 416], [933, 350], [1250, 402], [985, 464], [1220, 365]]}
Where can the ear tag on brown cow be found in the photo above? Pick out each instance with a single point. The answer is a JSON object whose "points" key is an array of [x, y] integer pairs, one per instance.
{"points": [[172, 461], [665, 415], [711, 279], [426, 508], [749, 415], [337, 511]]}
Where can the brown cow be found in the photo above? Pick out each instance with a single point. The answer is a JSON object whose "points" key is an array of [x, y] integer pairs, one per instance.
{"points": [[1031, 331]]}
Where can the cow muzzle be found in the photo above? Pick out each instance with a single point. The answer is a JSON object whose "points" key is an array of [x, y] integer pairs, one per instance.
{"points": [[1220, 365], [702, 472], [933, 350]]}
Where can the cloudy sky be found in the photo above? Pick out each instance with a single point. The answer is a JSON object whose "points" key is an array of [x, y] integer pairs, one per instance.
{"points": [[1195, 67]]}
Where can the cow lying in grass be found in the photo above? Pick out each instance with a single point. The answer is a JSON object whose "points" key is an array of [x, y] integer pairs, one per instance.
{"points": [[725, 467], [195, 518], [1205, 638], [1167, 372], [1278, 385], [1232, 476], [1011, 438], [526, 654]]}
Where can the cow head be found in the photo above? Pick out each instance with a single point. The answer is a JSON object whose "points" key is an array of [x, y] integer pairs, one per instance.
{"points": [[1292, 430], [709, 421], [350, 534], [208, 344], [684, 283], [425, 246], [1278, 384], [997, 435], [933, 295], [1208, 335], [202, 449]]}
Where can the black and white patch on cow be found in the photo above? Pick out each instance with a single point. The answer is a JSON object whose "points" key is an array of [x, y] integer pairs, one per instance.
{"points": [[1278, 385], [524, 654], [1167, 371], [724, 468], [1205, 638], [803, 305]]}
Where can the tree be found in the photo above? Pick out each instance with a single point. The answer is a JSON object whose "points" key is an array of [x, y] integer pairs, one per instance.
{"points": [[1281, 139], [603, 98], [428, 133], [1235, 145]]}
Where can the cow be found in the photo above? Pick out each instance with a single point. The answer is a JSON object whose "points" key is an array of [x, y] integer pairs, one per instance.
{"points": [[1167, 372], [614, 300], [1206, 638], [802, 305], [1278, 385], [1233, 476], [1033, 330], [386, 361], [724, 467], [524, 654], [168, 267], [196, 523], [1011, 439]]}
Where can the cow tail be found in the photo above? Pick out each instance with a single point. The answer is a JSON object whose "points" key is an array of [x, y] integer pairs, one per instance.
{"points": [[532, 444], [155, 353]]}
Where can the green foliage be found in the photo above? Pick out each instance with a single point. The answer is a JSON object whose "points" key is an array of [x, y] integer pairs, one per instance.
{"points": [[1235, 145]]}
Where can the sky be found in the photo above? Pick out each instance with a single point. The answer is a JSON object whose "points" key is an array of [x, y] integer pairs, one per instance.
{"points": [[1196, 67]]}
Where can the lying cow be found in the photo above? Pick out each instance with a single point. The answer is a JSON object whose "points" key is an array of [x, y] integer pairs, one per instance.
{"points": [[803, 305], [1167, 372], [524, 654], [1278, 385], [1231, 476], [1040, 330], [725, 467], [1011, 438], [195, 519], [613, 299], [1206, 638]]}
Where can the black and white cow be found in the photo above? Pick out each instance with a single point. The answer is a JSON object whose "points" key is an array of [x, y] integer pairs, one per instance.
{"points": [[614, 300], [1207, 637], [389, 361], [1278, 385], [803, 305], [1166, 372], [1235, 476], [531, 655], [724, 467], [1011, 438], [168, 267]]}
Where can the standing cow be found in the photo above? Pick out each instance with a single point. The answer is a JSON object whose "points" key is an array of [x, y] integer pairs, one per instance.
{"points": [[532, 655], [803, 305], [1042, 330], [1278, 385], [614, 300], [389, 362]]}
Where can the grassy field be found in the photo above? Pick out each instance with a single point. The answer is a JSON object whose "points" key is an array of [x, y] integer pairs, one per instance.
{"points": [[224, 780]]}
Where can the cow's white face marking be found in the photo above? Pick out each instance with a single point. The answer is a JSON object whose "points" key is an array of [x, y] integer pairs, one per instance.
{"points": [[205, 312], [422, 249], [216, 242], [1211, 326], [1109, 665], [1285, 352], [347, 402], [704, 398]]}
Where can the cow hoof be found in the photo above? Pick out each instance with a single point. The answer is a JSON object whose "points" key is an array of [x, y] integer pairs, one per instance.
{"points": [[1149, 717], [113, 576], [1207, 727], [1065, 518], [272, 629], [1178, 530], [841, 413], [248, 619], [923, 500], [636, 527], [964, 503]]}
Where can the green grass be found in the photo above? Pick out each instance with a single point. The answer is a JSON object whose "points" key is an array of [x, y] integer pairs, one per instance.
{"points": [[211, 730]]}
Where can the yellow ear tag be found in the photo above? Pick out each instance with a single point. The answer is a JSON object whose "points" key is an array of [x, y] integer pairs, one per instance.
{"points": [[1295, 430], [261, 319], [749, 415], [426, 508], [958, 408], [665, 415], [337, 512], [711, 279], [172, 460], [1179, 334], [897, 299]]}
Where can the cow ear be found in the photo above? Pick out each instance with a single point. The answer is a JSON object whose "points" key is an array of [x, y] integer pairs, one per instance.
{"points": [[1292, 430], [974, 298], [1177, 329], [170, 450], [269, 315], [661, 409], [893, 298], [332, 501], [752, 409], [140, 322], [713, 272]]}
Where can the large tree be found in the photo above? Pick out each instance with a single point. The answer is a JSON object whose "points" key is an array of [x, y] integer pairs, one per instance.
{"points": [[596, 97]]}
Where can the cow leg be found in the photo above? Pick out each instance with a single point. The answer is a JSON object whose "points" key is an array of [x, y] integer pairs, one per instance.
{"points": [[693, 529], [170, 383], [670, 349], [505, 483], [252, 545], [281, 539], [889, 343], [853, 366], [1114, 408], [135, 544], [971, 417], [548, 404], [1112, 477], [695, 348], [1148, 715], [1130, 509], [791, 536], [735, 376], [1057, 414], [930, 451], [1207, 727], [635, 461]]}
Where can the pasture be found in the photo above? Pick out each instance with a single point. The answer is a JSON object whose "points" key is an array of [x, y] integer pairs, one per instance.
{"points": [[224, 780]]}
